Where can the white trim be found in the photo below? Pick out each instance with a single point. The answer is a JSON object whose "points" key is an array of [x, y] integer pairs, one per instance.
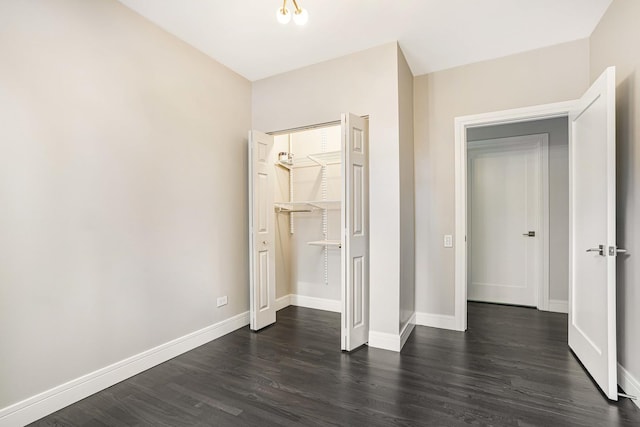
{"points": [[461, 124], [309, 302], [385, 341], [56, 398], [442, 321], [629, 384], [317, 303], [544, 291], [406, 330], [392, 342], [558, 306], [283, 302]]}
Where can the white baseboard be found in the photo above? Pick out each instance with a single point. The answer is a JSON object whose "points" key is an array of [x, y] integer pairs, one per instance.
{"points": [[317, 303], [54, 399], [441, 321], [629, 384], [558, 306], [385, 341], [407, 329], [283, 302], [309, 302]]}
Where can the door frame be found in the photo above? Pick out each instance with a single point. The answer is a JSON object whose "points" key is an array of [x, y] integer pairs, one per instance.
{"points": [[461, 124], [541, 142], [343, 307]]}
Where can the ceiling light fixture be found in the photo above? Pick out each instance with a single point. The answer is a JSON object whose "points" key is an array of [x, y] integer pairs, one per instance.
{"points": [[300, 15]]}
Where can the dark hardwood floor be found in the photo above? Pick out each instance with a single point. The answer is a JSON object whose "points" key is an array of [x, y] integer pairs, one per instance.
{"points": [[511, 368]]}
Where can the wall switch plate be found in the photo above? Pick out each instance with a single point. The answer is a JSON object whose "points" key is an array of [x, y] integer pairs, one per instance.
{"points": [[448, 241], [222, 301]]}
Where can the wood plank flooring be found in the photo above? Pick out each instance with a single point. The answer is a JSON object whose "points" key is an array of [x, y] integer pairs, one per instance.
{"points": [[511, 368]]}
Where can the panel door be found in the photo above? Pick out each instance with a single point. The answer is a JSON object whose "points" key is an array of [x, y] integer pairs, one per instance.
{"points": [[505, 220], [355, 239], [592, 224], [262, 288]]}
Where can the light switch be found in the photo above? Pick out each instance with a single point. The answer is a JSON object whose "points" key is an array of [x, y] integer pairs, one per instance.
{"points": [[448, 241]]}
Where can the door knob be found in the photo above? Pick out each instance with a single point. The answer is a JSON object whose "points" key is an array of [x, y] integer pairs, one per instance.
{"points": [[264, 242], [529, 234], [599, 249]]}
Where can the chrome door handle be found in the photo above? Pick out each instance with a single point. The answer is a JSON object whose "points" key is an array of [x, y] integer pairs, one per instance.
{"points": [[599, 249], [529, 234], [613, 251]]}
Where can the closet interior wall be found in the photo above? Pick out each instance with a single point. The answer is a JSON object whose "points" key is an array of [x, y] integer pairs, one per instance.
{"points": [[301, 268]]}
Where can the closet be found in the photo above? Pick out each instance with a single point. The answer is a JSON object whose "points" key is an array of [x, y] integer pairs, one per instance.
{"points": [[309, 223], [307, 215]]}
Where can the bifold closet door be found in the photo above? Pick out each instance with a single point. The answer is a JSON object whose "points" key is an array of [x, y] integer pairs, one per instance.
{"points": [[262, 288], [355, 239]]}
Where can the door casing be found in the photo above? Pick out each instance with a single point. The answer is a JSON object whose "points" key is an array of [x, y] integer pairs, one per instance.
{"points": [[518, 115]]}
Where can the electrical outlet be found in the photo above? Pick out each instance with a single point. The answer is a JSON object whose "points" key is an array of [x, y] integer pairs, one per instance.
{"points": [[222, 301], [448, 241]]}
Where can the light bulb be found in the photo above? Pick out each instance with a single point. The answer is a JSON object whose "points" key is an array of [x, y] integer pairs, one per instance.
{"points": [[301, 17], [283, 15]]}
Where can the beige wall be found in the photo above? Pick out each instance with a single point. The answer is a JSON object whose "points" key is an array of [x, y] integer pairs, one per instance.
{"points": [[615, 42], [552, 74], [123, 189], [407, 195], [364, 83]]}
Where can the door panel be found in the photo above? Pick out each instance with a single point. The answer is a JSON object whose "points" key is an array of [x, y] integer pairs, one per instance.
{"points": [[358, 202], [505, 204], [358, 287], [262, 288], [355, 240], [263, 284], [592, 290]]}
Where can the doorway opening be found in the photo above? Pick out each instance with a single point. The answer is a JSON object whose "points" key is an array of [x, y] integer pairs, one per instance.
{"points": [[307, 218], [309, 238], [480, 127], [517, 214]]}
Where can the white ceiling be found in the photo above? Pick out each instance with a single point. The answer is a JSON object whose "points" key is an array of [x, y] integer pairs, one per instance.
{"points": [[434, 34]]}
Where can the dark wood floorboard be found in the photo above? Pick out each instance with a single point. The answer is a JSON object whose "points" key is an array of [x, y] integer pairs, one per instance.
{"points": [[511, 368]]}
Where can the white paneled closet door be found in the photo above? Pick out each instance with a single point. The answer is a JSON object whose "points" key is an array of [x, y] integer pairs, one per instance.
{"points": [[355, 239], [262, 288]]}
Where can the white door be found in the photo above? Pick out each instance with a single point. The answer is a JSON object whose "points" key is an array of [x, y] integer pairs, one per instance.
{"points": [[262, 283], [505, 216], [592, 225], [355, 238]]}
